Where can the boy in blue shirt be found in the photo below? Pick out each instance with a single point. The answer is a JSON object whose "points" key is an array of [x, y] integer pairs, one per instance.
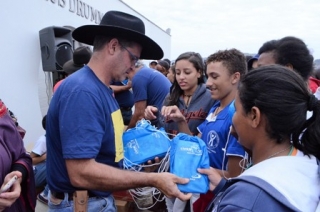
{"points": [[224, 71]]}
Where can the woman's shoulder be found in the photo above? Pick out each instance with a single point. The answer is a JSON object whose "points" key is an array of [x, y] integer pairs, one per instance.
{"points": [[251, 197]]}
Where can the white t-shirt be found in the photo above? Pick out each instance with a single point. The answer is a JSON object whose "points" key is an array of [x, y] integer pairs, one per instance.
{"points": [[40, 147]]}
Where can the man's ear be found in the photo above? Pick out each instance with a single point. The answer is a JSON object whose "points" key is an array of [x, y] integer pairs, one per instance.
{"points": [[236, 78], [112, 45], [255, 117]]}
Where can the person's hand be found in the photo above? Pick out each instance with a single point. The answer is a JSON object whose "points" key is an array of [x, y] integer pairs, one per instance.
{"points": [[213, 175], [172, 113], [8, 197], [152, 165], [167, 184], [150, 113], [129, 85]]}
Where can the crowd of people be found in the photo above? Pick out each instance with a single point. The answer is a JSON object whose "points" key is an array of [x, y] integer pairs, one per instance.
{"points": [[258, 115]]}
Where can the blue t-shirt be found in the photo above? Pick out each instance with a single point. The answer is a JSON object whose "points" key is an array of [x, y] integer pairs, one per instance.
{"points": [[151, 86], [216, 135], [83, 122], [124, 98]]}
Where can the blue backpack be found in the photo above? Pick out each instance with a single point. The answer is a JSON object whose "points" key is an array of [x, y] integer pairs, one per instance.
{"points": [[187, 154], [144, 142]]}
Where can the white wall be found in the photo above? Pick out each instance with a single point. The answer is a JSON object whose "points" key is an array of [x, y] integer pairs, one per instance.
{"points": [[24, 87]]}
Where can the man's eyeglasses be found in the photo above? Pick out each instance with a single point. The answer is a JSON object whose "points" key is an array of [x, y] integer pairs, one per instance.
{"points": [[133, 58]]}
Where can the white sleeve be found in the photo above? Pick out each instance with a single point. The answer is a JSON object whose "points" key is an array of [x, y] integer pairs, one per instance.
{"points": [[40, 146]]}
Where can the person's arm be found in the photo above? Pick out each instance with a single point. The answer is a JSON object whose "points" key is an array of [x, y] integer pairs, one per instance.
{"points": [[13, 142], [20, 162], [38, 153], [173, 113], [233, 169], [152, 114], [235, 154], [120, 88], [36, 159], [184, 127], [138, 114], [91, 175]]}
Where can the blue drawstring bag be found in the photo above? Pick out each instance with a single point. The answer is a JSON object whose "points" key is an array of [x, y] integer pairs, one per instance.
{"points": [[187, 154], [144, 142]]}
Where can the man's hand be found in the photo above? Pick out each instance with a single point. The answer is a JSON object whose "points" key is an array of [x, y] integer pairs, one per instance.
{"points": [[150, 113], [167, 184]]}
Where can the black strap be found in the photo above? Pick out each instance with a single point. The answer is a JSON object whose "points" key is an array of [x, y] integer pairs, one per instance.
{"points": [[220, 186]]}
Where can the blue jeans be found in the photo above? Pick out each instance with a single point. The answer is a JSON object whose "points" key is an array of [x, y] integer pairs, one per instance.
{"points": [[46, 191], [40, 174], [99, 204]]}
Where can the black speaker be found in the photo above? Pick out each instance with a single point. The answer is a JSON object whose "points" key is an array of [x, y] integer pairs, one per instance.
{"points": [[56, 47]]}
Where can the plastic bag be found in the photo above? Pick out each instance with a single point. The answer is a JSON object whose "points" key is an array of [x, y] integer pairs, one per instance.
{"points": [[187, 154], [143, 143]]}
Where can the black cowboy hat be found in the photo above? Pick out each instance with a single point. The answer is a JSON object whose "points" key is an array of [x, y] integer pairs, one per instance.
{"points": [[81, 56], [123, 25]]}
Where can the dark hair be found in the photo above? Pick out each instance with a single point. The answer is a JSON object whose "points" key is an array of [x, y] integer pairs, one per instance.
{"points": [[197, 62], [293, 51], [251, 61], [100, 41], [232, 59], [168, 61], [173, 68], [44, 120], [284, 98], [154, 62], [164, 64], [268, 47], [14, 118], [316, 73], [163, 67], [248, 57]]}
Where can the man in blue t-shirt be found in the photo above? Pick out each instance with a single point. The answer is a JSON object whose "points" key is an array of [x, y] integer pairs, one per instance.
{"points": [[85, 126], [149, 87], [123, 94]]}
